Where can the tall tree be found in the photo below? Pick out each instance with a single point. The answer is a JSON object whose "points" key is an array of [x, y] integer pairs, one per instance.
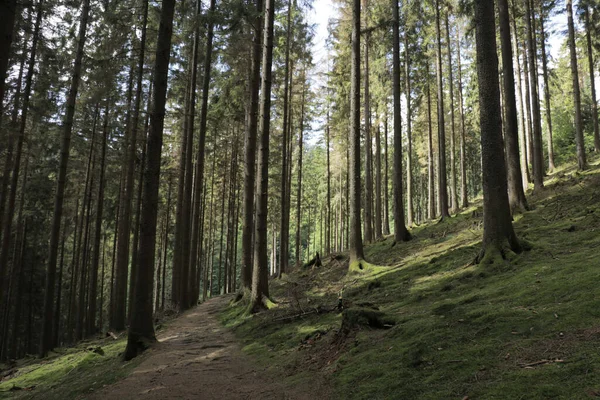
{"points": [[355, 239], [48, 316], [8, 11], [538, 168], [464, 199], [191, 297], [498, 232], [453, 184], [516, 196], [250, 148], [590, 53], [442, 179], [368, 205], [409, 161], [551, 166], [401, 234], [581, 158], [141, 329], [285, 212], [260, 271]]}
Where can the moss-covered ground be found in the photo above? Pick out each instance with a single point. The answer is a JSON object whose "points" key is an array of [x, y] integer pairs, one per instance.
{"points": [[528, 328], [68, 373]]}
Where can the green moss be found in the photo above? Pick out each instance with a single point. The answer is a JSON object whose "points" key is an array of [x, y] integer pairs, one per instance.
{"points": [[462, 329], [70, 375]]}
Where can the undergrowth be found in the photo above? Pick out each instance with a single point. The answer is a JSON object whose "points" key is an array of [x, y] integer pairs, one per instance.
{"points": [[527, 328]]}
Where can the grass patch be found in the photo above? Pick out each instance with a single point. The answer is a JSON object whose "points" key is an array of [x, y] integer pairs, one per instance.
{"points": [[526, 328], [69, 373]]}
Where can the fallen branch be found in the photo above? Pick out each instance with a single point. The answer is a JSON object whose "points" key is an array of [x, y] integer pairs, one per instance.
{"points": [[541, 362]]}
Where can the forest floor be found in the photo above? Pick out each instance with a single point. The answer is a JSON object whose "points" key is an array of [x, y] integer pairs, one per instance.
{"points": [[195, 357], [420, 320]]}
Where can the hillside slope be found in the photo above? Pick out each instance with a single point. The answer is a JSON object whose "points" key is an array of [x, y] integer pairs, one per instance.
{"points": [[433, 325]]}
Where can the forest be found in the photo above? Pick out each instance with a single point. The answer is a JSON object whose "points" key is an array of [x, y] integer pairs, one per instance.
{"points": [[401, 202]]}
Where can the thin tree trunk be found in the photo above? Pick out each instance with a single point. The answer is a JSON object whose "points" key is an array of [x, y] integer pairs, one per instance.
{"points": [[8, 11], [285, 212], [92, 327], [551, 166], [522, 136], [581, 158], [386, 184], [199, 181], [442, 180], [166, 246], [328, 224], [430, 167], [141, 330], [516, 196], [538, 167], [410, 219], [590, 52], [464, 198], [260, 283], [453, 184], [368, 223], [355, 239], [401, 234], [250, 150], [299, 186]]}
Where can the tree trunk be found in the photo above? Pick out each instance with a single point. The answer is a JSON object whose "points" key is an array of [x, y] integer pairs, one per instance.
{"points": [[590, 52], [328, 224], [368, 223], [355, 235], [250, 149], [516, 196], [410, 218], [401, 234], [538, 168], [431, 206], [581, 161], [386, 181], [464, 198], [141, 330], [551, 166], [260, 283], [442, 179], [48, 315], [378, 197], [92, 327], [8, 11], [285, 213], [166, 246], [299, 172], [498, 233], [190, 297], [453, 184], [523, 137]]}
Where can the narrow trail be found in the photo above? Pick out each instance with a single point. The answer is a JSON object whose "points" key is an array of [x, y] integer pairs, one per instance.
{"points": [[198, 358]]}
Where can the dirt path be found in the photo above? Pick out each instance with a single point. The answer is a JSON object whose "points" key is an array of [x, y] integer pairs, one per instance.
{"points": [[197, 358]]}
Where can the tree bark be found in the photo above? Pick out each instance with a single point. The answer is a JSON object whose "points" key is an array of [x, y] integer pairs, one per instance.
{"points": [[355, 239], [48, 314], [464, 198], [498, 233], [299, 172], [260, 272], [442, 179], [368, 223], [285, 213], [410, 218], [453, 184], [250, 149], [538, 167], [516, 196], [581, 158], [431, 208], [590, 52], [551, 166], [141, 330], [191, 298], [8, 11], [401, 234]]}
